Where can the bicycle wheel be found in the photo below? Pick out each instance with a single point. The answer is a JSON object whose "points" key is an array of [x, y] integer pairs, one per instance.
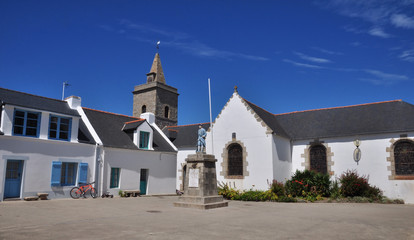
{"points": [[75, 192], [93, 193]]}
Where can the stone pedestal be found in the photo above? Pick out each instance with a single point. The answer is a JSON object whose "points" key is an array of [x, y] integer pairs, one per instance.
{"points": [[200, 184]]}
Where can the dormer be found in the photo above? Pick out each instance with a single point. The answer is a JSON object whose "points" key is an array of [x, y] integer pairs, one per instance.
{"points": [[141, 132], [26, 115]]}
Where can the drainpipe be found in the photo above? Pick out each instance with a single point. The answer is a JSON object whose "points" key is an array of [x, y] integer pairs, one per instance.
{"points": [[102, 168]]}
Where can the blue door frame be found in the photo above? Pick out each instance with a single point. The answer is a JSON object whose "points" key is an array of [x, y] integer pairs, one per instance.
{"points": [[13, 178]]}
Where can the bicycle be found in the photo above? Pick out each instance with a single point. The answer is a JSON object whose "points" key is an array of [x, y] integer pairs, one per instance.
{"points": [[77, 192]]}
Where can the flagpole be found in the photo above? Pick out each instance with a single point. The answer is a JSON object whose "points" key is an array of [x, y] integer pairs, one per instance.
{"points": [[211, 121], [63, 90]]}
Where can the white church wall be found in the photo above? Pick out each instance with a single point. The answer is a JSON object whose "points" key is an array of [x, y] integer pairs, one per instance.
{"points": [[37, 156], [282, 162], [373, 162], [181, 156], [161, 170], [235, 118]]}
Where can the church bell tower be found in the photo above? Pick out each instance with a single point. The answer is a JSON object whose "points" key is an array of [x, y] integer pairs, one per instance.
{"points": [[157, 97]]}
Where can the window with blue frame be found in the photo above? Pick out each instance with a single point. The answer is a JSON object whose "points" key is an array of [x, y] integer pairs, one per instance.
{"points": [[115, 177], [59, 128], [144, 139], [65, 173], [26, 123]]}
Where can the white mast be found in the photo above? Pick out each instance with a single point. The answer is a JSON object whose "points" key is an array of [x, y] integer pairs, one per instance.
{"points": [[211, 121], [65, 84]]}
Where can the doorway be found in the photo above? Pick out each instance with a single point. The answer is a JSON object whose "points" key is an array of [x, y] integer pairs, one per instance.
{"points": [[143, 183], [13, 179]]}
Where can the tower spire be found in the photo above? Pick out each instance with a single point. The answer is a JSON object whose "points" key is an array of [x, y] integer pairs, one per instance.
{"points": [[156, 73]]}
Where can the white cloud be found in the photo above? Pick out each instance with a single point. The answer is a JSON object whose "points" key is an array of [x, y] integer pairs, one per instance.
{"points": [[312, 59], [378, 32], [181, 40], [407, 55], [302, 64], [327, 51], [382, 78], [402, 21]]}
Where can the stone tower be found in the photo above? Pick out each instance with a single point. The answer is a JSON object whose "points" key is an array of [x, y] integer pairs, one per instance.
{"points": [[157, 97]]}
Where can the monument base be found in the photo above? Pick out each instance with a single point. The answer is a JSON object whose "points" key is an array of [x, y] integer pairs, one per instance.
{"points": [[204, 203], [200, 185]]}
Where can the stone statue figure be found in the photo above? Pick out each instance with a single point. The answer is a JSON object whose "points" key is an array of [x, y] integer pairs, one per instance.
{"points": [[201, 142]]}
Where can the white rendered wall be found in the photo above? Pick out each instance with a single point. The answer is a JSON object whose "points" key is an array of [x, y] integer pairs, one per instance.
{"points": [[282, 158], [161, 170], [38, 156], [373, 162], [181, 156], [236, 118]]}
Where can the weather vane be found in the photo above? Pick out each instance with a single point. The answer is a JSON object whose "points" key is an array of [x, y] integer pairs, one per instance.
{"points": [[158, 46]]}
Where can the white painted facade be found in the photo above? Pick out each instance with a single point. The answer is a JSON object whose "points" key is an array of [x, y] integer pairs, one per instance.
{"points": [[38, 154], [373, 163], [269, 156], [160, 166]]}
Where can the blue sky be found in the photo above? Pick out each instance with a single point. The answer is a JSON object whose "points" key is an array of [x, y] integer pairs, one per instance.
{"points": [[283, 55]]}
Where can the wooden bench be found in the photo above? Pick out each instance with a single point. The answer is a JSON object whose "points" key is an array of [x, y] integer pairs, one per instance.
{"points": [[43, 196], [133, 193]]}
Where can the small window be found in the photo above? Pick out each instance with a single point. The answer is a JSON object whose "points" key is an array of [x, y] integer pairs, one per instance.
{"points": [[144, 139], [318, 161], [143, 109], [115, 177], [59, 128], [26, 123], [235, 162], [404, 158], [68, 174], [166, 112]]}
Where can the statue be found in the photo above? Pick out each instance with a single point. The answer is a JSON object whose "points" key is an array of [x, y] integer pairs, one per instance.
{"points": [[201, 141]]}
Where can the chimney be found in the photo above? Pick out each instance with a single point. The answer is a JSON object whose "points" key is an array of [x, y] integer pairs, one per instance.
{"points": [[73, 101], [150, 117]]}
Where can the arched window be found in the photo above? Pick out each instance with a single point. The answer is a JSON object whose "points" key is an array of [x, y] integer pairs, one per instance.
{"points": [[235, 160], [166, 111], [144, 109], [404, 158], [317, 156]]}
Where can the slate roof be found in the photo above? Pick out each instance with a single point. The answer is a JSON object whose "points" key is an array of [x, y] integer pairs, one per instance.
{"points": [[116, 130], [31, 101], [269, 119], [363, 119], [35, 102], [184, 136]]}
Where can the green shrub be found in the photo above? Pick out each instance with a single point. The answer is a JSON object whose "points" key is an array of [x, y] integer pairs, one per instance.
{"points": [[308, 184], [335, 190], [278, 188], [352, 184], [228, 192]]}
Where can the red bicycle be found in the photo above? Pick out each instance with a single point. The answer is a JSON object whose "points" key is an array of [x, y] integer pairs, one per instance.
{"points": [[84, 190]]}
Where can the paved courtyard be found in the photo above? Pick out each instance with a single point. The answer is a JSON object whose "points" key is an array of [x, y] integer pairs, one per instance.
{"points": [[157, 218]]}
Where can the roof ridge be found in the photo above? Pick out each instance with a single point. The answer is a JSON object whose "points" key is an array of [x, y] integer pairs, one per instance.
{"points": [[257, 106], [188, 125], [138, 120], [54, 99], [355, 105], [111, 113]]}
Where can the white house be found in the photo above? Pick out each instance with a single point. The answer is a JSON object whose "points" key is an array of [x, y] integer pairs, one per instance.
{"points": [[254, 146], [50, 146], [45, 147]]}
